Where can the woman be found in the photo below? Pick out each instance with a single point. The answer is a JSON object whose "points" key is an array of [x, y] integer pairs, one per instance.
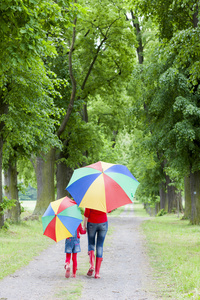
{"points": [[96, 223]]}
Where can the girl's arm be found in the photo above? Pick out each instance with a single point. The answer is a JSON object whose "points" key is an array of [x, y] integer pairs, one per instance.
{"points": [[81, 229]]}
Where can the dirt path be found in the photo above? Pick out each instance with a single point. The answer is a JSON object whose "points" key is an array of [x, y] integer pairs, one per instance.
{"points": [[125, 272]]}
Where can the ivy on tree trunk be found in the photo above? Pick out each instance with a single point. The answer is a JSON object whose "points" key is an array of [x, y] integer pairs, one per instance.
{"points": [[11, 191]]}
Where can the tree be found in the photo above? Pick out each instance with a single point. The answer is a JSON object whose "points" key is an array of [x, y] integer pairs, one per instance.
{"points": [[174, 100], [100, 58], [24, 28], [170, 16]]}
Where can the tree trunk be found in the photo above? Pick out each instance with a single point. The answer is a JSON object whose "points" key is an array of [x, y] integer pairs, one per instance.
{"points": [[1, 189], [3, 110], [163, 196], [173, 196], [157, 207], [63, 175], [11, 192], [178, 199], [195, 19], [195, 197], [170, 195], [188, 201], [45, 182]]}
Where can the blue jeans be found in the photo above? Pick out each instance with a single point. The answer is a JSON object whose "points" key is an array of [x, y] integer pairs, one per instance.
{"points": [[99, 229], [72, 245]]}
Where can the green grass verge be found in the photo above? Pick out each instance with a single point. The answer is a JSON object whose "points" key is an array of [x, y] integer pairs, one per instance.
{"points": [[139, 210], [19, 244], [174, 249], [116, 212]]}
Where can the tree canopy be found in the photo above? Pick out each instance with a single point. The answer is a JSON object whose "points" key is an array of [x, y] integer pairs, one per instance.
{"points": [[121, 84]]}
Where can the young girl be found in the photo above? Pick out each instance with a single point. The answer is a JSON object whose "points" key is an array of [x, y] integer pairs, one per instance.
{"points": [[72, 246]]}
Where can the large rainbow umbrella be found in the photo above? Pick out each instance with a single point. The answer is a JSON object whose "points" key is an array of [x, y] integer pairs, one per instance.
{"points": [[61, 219], [102, 186]]}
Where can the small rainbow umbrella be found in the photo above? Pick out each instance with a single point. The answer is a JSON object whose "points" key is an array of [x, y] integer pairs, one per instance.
{"points": [[61, 219], [102, 186]]}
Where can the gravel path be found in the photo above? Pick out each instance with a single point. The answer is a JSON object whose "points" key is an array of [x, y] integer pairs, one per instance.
{"points": [[125, 271]]}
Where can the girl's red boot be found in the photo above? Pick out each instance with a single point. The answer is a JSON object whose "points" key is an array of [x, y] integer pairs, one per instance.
{"points": [[92, 258], [97, 266], [74, 272], [67, 265], [74, 258], [67, 272]]}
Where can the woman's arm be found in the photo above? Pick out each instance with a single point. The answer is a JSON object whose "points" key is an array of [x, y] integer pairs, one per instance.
{"points": [[85, 223]]}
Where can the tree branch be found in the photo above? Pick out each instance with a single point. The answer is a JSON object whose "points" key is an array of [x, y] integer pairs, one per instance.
{"points": [[138, 34], [73, 94], [97, 52], [92, 63]]}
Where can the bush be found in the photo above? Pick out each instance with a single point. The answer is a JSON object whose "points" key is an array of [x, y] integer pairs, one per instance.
{"points": [[7, 204], [161, 213]]}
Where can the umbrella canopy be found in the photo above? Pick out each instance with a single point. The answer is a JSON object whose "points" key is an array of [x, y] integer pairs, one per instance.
{"points": [[102, 186], [61, 219]]}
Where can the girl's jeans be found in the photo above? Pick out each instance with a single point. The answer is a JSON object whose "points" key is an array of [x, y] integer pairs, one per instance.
{"points": [[99, 229]]}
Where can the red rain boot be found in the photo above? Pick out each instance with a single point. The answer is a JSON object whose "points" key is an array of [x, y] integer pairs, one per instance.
{"points": [[97, 266], [67, 265], [91, 257], [74, 259]]}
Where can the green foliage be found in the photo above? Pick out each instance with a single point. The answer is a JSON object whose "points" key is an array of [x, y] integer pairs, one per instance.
{"points": [[174, 114], [131, 150], [82, 211], [25, 39], [183, 50], [142, 116], [104, 42], [169, 15], [7, 204], [27, 31], [102, 64], [161, 213], [166, 96], [28, 115], [26, 171], [5, 226]]}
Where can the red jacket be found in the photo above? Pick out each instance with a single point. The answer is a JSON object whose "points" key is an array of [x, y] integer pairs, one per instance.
{"points": [[95, 216]]}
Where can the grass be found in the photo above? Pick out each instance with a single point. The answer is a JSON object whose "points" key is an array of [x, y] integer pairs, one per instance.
{"points": [[139, 210], [116, 212], [20, 243], [174, 249], [72, 292]]}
